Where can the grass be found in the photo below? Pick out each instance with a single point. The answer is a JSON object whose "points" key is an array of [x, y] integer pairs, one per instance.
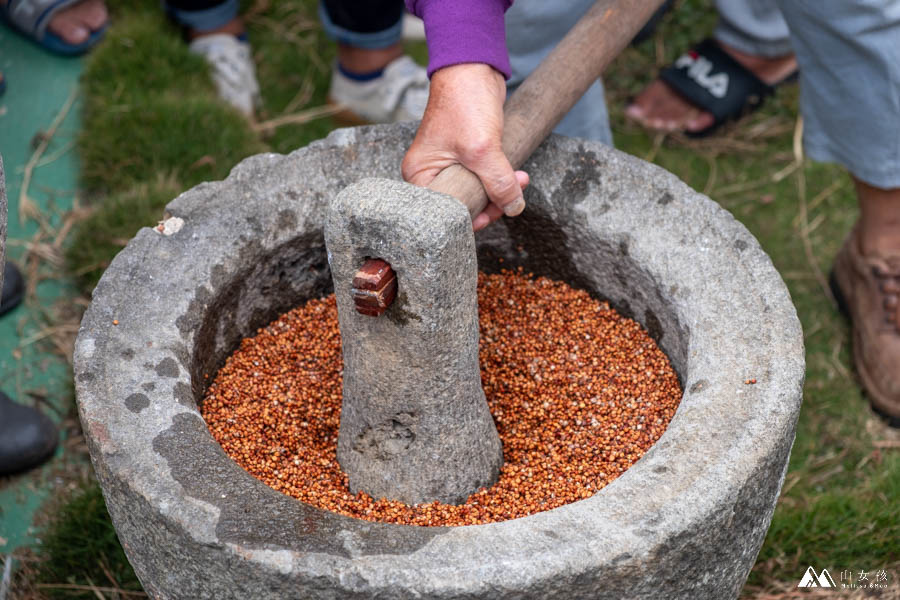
{"points": [[838, 506], [107, 229], [81, 548], [144, 82]]}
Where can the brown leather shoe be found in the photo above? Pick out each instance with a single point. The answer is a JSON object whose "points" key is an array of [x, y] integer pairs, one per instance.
{"points": [[868, 291]]}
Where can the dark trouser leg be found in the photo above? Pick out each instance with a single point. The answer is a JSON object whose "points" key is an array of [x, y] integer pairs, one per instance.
{"points": [[370, 25], [202, 15]]}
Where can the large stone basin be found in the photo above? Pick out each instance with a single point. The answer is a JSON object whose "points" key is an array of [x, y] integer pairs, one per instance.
{"points": [[686, 521]]}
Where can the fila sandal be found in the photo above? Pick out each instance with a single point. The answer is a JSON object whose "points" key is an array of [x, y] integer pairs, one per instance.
{"points": [[714, 82]]}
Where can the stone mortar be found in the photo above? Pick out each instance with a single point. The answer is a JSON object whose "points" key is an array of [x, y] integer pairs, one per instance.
{"points": [[686, 521]]}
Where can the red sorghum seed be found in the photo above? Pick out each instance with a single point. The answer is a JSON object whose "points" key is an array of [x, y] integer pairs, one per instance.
{"points": [[577, 391]]}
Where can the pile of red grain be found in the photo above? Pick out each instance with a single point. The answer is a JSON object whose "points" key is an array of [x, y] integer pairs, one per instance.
{"points": [[577, 391]]}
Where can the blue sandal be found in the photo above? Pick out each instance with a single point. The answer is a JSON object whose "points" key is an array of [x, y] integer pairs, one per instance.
{"points": [[31, 17]]}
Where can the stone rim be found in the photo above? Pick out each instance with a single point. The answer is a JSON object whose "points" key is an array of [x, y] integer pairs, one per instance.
{"points": [[619, 526]]}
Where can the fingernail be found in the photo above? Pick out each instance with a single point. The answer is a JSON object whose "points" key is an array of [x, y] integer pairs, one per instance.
{"points": [[515, 207]]}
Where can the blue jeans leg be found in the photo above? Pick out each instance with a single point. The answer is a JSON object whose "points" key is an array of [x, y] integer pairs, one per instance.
{"points": [[204, 19], [354, 32]]}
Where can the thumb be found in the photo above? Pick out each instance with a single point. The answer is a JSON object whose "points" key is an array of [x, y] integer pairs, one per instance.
{"points": [[500, 182]]}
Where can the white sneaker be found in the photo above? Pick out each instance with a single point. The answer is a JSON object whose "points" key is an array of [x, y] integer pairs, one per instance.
{"points": [[399, 94], [233, 71]]}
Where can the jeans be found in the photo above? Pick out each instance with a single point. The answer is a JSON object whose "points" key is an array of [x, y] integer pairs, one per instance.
{"points": [[372, 24], [202, 15]]}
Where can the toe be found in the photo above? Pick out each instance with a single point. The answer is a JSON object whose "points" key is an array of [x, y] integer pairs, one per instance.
{"points": [[654, 105], [666, 125], [635, 112], [644, 104], [702, 121], [94, 14], [75, 23], [658, 107], [678, 112], [69, 30]]}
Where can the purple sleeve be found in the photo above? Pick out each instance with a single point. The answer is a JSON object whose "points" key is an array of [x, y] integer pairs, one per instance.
{"points": [[464, 31]]}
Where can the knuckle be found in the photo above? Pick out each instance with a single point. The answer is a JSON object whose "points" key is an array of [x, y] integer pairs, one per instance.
{"points": [[481, 149]]}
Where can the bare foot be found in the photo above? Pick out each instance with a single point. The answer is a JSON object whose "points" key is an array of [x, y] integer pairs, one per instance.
{"points": [[660, 108], [76, 23]]}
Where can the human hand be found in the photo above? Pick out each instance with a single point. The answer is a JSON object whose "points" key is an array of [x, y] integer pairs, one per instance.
{"points": [[463, 123]]}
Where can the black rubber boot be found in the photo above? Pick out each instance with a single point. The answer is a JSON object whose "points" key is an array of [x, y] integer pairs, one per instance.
{"points": [[13, 288], [27, 437]]}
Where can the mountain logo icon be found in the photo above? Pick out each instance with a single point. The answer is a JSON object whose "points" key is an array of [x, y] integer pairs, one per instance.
{"points": [[810, 579]]}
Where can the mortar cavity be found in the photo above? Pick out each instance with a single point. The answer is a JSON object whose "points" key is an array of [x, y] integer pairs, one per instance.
{"points": [[258, 294], [241, 304], [578, 394], [297, 271], [536, 242], [264, 285]]}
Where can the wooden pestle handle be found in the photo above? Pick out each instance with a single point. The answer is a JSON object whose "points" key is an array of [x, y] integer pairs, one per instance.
{"points": [[552, 89]]}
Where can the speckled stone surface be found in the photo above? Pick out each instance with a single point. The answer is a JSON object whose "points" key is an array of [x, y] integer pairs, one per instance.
{"points": [[686, 521], [415, 425]]}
